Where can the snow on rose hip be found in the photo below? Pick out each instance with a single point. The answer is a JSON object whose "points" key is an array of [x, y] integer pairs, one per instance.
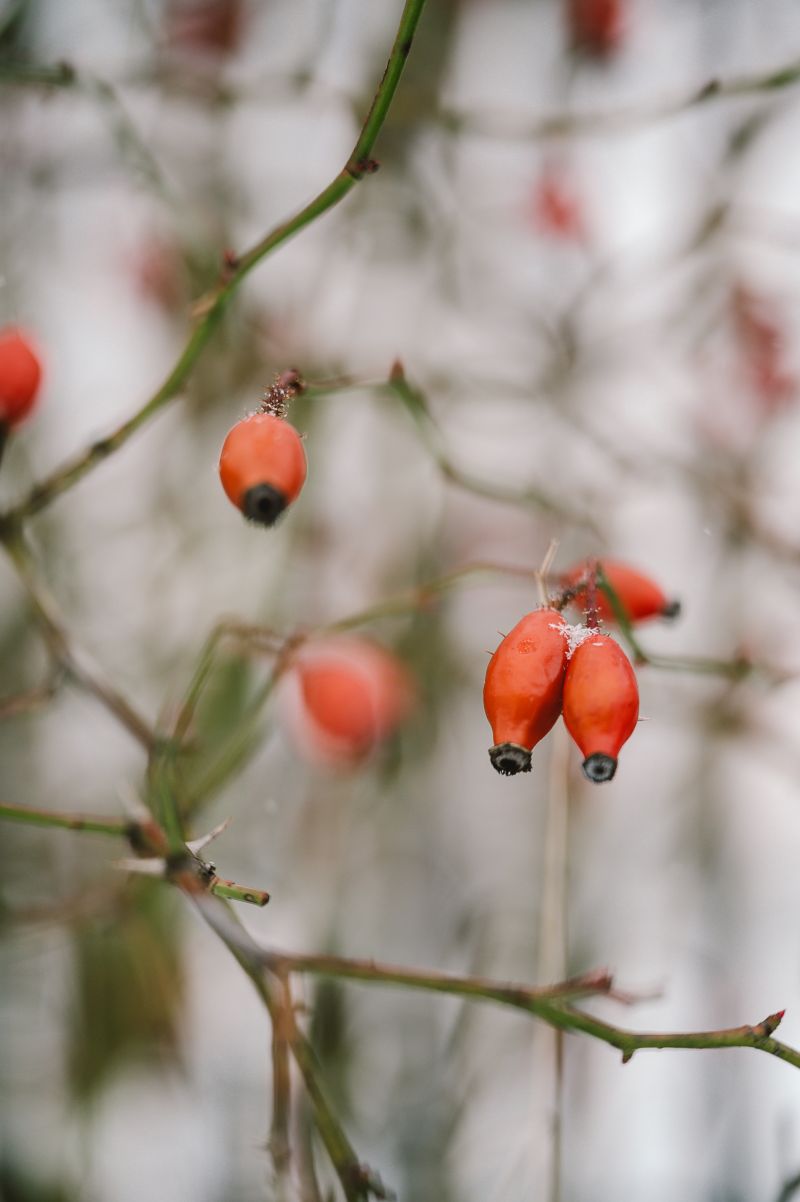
{"points": [[601, 703], [523, 688], [20, 376]]}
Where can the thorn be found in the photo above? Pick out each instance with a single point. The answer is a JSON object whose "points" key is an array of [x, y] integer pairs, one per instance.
{"points": [[196, 845], [151, 867], [396, 373], [626, 1056]]}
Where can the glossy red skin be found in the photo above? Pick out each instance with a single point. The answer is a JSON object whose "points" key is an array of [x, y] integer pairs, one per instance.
{"points": [[524, 680], [355, 693], [601, 697], [262, 449], [20, 376], [641, 597]]}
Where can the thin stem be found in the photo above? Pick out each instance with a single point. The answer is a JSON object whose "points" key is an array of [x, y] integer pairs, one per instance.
{"points": [[31, 699], [279, 1142], [208, 309], [74, 661], [117, 827], [356, 1179], [231, 891], [523, 997], [416, 404], [599, 121], [548, 1004]]}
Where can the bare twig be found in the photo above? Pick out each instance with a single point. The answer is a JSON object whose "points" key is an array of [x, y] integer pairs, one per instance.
{"points": [[599, 121], [432, 439], [76, 663], [117, 827]]}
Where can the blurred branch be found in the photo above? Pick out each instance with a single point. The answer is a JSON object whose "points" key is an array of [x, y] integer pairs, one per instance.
{"points": [[279, 1142], [417, 405], [789, 1188], [62, 647], [150, 843], [559, 125], [123, 129], [356, 1179], [734, 669], [31, 699], [208, 310], [589, 984], [117, 827]]}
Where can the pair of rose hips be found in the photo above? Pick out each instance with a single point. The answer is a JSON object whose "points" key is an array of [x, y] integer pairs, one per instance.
{"points": [[544, 668], [20, 377]]}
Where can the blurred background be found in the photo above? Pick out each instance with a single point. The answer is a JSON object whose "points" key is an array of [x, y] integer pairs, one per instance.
{"points": [[590, 268]]}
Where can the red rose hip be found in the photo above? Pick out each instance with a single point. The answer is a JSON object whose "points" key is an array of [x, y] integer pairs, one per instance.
{"points": [[601, 703], [262, 466], [522, 691], [640, 597], [20, 376]]}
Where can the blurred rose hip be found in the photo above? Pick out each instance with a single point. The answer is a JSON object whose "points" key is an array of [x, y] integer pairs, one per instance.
{"points": [[344, 697], [761, 338], [640, 596], [595, 27], [210, 27], [20, 376], [556, 207]]}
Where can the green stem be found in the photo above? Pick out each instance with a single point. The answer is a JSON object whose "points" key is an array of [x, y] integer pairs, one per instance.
{"points": [[233, 892], [117, 827], [524, 997], [548, 1004]]}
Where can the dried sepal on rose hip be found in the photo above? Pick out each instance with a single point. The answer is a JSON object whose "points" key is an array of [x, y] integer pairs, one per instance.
{"points": [[20, 376], [640, 597], [522, 692], [601, 703], [263, 465], [344, 696]]}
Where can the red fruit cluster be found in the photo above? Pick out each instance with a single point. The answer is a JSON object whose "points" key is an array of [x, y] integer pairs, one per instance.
{"points": [[20, 376], [640, 597], [348, 695], [532, 678]]}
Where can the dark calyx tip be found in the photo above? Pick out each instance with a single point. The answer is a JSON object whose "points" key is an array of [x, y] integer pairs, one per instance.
{"points": [[509, 758], [671, 610], [264, 504], [599, 767]]}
